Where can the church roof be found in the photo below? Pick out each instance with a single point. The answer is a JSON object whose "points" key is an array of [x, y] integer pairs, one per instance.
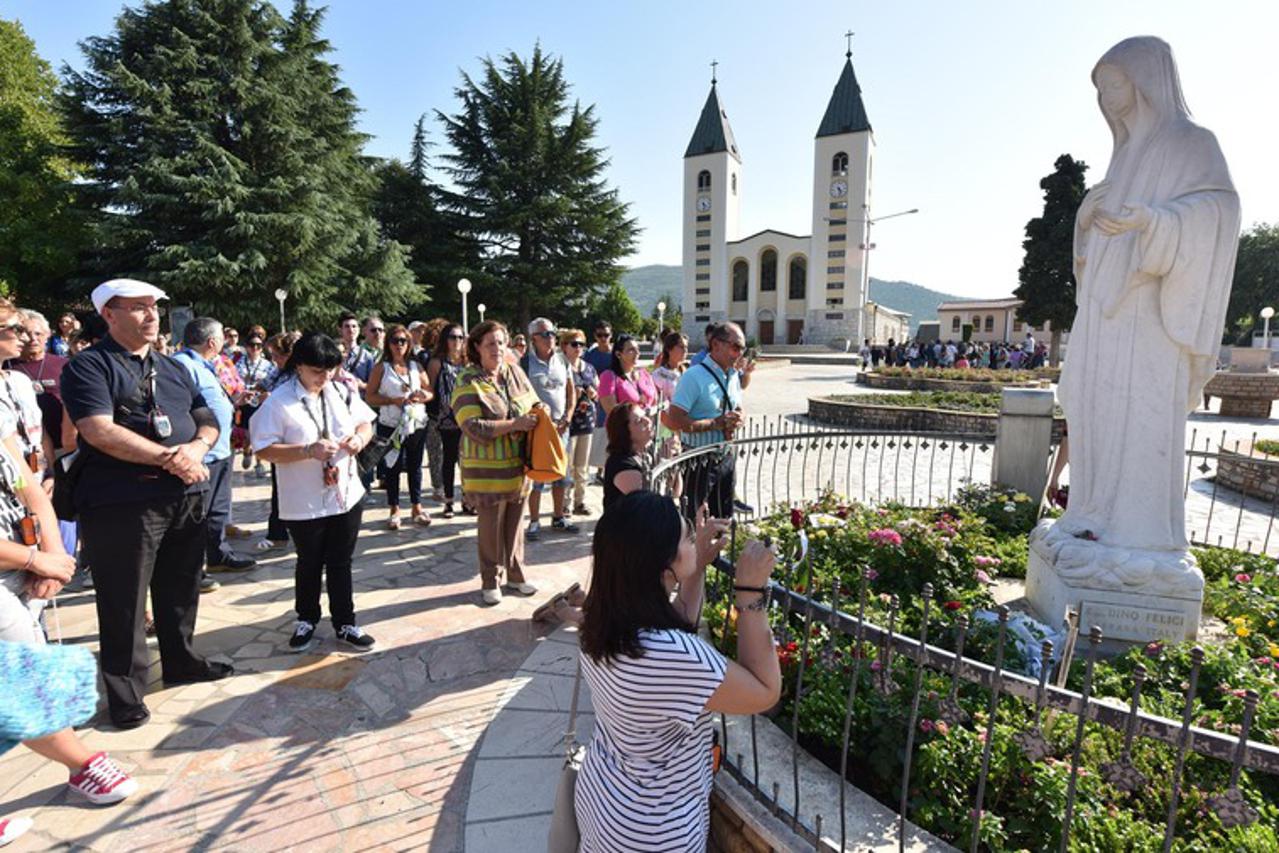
{"points": [[712, 135], [845, 113]]}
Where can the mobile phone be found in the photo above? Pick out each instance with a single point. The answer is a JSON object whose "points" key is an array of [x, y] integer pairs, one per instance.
{"points": [[30, 527], [752, 354]]}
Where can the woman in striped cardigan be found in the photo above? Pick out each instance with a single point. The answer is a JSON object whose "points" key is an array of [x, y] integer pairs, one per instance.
{"points": [[492, 403]]}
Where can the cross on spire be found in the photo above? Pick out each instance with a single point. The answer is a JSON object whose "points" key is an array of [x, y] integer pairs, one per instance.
{"points": [[849, 35], [714, 68]]}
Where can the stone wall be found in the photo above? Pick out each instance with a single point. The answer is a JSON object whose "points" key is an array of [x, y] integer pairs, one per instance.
{"points": [[919, 383], [1256, 475], [730, 831], [906, 419], [1243, 395]]}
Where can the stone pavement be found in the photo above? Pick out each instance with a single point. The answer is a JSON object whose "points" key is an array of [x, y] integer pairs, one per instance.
{"points": [[327, 750]]}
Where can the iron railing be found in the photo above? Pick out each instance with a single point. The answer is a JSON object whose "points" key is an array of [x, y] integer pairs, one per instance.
{"points": [[780, 461], [1219, 515]]}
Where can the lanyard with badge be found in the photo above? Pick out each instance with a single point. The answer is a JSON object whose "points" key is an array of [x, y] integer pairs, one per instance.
{"points": [[724, 403], [159, 423], [322, 426], [31, 450]]}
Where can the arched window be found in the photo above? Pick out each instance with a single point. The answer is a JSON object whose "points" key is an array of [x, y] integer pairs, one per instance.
{"points": [[703, 180], [955, 323], [976, 322], [797, 278], [741, 279], [990, 322], [839, 163], [768, 270]]}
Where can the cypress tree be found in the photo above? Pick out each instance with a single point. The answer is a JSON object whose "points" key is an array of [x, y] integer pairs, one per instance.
{"points": [[226, 164], [531, 187], [1047, 275]]}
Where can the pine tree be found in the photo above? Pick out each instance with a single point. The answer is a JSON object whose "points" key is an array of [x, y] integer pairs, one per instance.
{"points": [[418, 160], [532, 188], [40, 232], [226, 163], [1047, 277], [1256, 284]]}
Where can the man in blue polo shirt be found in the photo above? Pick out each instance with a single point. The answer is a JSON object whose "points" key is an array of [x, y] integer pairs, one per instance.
{"points": [[706, 409], [201, 341], [144, 432]]}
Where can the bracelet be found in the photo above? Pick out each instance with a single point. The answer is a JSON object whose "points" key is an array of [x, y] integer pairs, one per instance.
{"points": [[31, 557], [739, 588], [759, 605]]}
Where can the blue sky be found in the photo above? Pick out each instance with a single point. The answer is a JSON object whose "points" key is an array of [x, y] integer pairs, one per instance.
{"points": [[970, 102]]}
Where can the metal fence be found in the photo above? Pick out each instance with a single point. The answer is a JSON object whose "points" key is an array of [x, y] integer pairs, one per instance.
{"points": [[1218, 513], [779, 461]]}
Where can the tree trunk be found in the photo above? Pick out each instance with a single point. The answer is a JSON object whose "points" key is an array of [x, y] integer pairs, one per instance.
{"points": [[1054, 348]]}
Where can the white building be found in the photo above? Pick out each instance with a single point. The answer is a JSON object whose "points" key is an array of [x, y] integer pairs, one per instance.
{"points": [[883, 324], [992, 320], [781, 288]]}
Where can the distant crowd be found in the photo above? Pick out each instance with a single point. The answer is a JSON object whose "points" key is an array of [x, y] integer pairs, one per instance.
{"points": [[1005, 355]]}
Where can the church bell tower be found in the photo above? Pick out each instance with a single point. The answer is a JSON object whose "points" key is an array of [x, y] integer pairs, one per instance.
{"points": [[711, 198]]}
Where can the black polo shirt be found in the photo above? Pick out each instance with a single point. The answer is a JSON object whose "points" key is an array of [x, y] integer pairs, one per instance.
{"points": [[108, 380]]}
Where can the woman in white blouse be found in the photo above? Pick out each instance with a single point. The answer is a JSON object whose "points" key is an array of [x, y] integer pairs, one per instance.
{"points": [[312, 430]]}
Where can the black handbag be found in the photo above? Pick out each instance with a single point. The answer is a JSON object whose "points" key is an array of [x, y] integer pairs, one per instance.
{"points": [[372, 454], [66, 475]]}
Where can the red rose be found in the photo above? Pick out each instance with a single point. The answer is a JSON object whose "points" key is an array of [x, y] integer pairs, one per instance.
{"points": [[953, 605], [797, 518]]}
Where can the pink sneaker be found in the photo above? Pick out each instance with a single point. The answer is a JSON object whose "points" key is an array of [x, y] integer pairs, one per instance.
{"points": [[11, 828], [102, 781]]}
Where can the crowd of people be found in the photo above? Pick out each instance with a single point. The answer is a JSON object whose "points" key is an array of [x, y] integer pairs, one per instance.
{"points": [[117, 447], [916, 353]]}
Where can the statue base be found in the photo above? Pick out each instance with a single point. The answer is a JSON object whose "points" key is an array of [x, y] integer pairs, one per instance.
{"points": [[1134, 595]]}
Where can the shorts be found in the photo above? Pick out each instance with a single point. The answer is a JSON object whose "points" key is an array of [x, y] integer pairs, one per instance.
{"points": [[20, 619]]}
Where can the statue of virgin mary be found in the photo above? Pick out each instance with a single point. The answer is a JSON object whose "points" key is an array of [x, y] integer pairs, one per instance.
{"points": [[1155, 245]]}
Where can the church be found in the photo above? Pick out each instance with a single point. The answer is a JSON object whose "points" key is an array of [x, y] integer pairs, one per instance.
{"points": [[780, 288]]}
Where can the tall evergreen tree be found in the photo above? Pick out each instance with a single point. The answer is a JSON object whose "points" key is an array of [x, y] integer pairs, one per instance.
{"points": [[226, 164], [418, 159], [1047, 278], [40, 232], [1256, 283], [532, 186]]}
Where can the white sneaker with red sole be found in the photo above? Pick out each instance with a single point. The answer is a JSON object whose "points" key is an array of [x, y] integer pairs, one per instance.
{"points": [[11, 828], [102, 781]]}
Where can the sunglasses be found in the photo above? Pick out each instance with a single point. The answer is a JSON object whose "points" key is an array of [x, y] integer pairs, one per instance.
{"points": [[577, 344], [399, 341], [457, 337], [550, 334], [16, 327], [378, 329], [603, 334]]}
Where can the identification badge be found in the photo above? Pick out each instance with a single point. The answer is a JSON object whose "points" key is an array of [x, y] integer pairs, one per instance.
{"points": [[163, 427], [38, 386], [330, 475]]}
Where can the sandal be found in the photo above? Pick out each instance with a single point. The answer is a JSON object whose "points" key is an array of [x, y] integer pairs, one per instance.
{"points": [[574, 595], [448, 511], [393, 523], [421, 519], [545, 611]]}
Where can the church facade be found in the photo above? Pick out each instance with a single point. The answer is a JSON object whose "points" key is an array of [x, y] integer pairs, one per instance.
{"points": [[780, 288]]}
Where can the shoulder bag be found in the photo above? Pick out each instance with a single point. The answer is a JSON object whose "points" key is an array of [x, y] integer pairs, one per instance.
{"points": [[564, 836]]}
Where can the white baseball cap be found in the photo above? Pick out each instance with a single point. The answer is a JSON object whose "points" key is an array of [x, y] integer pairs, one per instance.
{"points": [[108, 290]]}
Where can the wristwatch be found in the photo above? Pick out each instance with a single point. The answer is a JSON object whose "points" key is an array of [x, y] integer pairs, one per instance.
{"points": [[760, 604]]}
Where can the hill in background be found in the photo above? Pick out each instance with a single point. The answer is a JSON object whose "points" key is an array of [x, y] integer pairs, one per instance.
{"points": [[647, 285]]}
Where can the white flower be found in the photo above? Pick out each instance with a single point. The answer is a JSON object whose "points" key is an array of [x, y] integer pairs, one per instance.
{"points": [[1010, 507], [821, 520]]}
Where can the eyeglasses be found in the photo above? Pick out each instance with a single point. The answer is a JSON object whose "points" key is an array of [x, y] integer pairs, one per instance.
{"points": [[399, 341], [457, 337], [577, 344], [16, 328], [378, 329], [733, 345]]}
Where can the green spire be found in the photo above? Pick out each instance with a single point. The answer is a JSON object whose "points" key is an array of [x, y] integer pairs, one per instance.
{"points": [[713, 134], [845, 113]]}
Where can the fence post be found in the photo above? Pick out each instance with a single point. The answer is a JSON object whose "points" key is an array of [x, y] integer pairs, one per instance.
{"points": [[1023, 440]]}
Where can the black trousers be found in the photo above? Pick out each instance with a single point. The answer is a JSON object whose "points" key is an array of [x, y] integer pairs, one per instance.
{"points": [[324, 547], [275, 529], [133, 547], [452, 441], [218, 512], [409, 460], [710, 482]]}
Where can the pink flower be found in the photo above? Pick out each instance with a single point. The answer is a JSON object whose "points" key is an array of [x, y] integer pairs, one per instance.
{"points": [[871, 574], [797, 518], [1243, 578], [885, 536], [982, 577], [875, 666], [926, 725], [1153, 650], [986, 562]]}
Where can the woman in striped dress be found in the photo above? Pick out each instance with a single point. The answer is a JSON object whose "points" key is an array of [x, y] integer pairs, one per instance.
{"points": [[492, 402], [646, 780]]}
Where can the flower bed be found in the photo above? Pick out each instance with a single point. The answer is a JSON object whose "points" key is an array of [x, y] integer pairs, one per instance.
{"points": [[967, 412], [960, 549], [980, 380]]}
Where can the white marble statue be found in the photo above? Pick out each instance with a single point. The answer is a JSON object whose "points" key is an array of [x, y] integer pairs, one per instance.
{"points": [[1155, 246]]}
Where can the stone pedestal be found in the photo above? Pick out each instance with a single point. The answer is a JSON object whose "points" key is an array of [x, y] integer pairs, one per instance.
{"points": [[1132, 595]]}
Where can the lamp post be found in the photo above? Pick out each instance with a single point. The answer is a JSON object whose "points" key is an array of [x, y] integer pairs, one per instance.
{"points": [[868, 245], [281, 294], [481, 308], [661, 317], [1266, 314], [464, 287]]}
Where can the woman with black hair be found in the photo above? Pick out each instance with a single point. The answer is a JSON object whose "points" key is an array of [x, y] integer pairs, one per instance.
{"points": [[312, 432], [630, 434], [442, 371], [646, 779]]}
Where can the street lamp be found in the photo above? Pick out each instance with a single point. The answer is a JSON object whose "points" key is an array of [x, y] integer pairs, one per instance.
{"points": [[281, 294], [868, 245], [481, 308], [464, 287], [1266, 314], [661, 317]]}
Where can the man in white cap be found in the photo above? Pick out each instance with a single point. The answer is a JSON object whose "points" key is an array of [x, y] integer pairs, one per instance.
{"points": [[140, 494]]}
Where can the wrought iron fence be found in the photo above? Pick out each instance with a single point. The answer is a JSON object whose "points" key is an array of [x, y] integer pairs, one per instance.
{"points": [[772, 458], [1232, 494]]}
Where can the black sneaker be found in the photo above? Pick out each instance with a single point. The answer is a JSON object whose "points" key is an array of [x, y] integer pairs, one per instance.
{"points": [[563, 525], [354, 636], [233, 563], [303, 636], [208, 584]]}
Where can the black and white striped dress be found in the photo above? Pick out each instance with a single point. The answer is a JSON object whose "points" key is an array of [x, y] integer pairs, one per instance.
{"points": [[645, 783]]}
